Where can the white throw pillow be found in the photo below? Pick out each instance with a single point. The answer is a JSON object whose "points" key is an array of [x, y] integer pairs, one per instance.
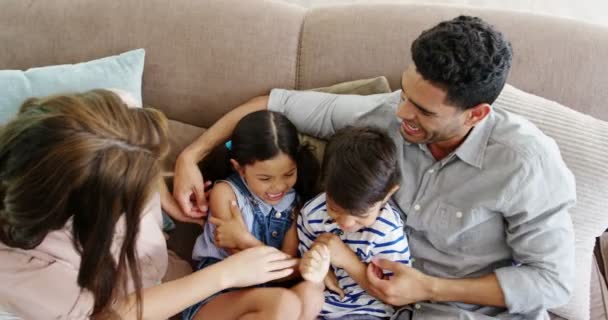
{"points": [[122, 72], [583, 142]]}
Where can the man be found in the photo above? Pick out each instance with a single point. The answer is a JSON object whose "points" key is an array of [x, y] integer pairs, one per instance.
{"points": [[485, 193]]}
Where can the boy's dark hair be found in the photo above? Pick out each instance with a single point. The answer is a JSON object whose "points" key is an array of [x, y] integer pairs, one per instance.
{"points": [[359, 168], [467, 56], [262, 135]]}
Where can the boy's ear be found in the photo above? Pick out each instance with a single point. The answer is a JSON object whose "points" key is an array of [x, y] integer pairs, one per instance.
{"points": [[391, 193], [237, 167]]}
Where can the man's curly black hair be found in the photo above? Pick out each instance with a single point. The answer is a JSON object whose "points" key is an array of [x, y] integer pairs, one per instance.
{"points": [[466, 56]]}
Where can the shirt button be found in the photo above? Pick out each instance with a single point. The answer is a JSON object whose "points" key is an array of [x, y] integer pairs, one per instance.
{"points": [[459, 214], [432, 170], [340, 232], [413, 260], [417, 207], [274, 234], [278, 215], [417, 306]]}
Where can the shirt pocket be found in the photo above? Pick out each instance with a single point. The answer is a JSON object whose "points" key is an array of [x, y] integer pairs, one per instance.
{"points": [[453, 229]]}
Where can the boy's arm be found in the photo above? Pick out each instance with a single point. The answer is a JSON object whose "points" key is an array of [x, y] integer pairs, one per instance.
{"points": [[343, 257]]}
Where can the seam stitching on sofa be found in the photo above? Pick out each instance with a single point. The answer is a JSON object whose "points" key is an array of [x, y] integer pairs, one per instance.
{"points": [[298, 79]]}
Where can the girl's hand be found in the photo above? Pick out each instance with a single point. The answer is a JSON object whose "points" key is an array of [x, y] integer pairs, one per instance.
{"points": [[232, 233], [254, 266], [339, 252]]}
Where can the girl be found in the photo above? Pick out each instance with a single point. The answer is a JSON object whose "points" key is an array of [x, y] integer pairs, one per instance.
{"points": [[273, 175], [80, 216]]}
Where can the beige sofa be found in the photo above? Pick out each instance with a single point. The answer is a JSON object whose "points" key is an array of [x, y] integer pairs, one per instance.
{"points": [[203, 57]]}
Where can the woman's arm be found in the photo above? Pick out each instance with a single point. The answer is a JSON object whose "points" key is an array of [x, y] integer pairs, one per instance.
{"points": [[246, 268], [188, 180]]}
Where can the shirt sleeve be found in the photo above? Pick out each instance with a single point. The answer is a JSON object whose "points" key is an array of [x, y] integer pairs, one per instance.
{"points": [[540, 234], [322, 114], [393, 246]]}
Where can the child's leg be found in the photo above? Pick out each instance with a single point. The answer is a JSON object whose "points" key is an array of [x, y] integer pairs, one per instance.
{"points": [[313, 267], [256, 303]]}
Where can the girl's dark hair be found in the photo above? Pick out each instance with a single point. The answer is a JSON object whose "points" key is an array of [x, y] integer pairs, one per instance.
{"points": [[360, 166], [262, 135], [89, 158]]}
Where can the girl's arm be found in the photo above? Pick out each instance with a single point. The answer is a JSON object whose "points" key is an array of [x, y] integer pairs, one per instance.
{"points": [[230, 230], [249, 267], [290, 242]]}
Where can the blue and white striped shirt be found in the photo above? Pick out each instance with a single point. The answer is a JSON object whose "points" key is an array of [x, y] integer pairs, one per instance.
{"points": [[384, 239]]}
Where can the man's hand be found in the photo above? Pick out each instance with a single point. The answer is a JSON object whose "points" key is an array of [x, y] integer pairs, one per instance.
{"points": [[232, 233], [406, 285], [339, 252], [171, 207], [188, 187]]}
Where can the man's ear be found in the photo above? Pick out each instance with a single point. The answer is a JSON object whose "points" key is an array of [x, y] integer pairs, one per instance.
{"points": [[237, 167], [477, 113], [391, 193]]}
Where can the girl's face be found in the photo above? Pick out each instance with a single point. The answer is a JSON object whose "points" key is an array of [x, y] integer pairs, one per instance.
{"points": [[270, 179]]}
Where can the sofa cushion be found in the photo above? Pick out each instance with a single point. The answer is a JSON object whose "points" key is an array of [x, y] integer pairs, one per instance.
{"points": [[360, 87], [583, 142], [122, 72]]}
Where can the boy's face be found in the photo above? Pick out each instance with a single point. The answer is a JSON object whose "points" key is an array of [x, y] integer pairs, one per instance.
{"points": [[352, 223]]}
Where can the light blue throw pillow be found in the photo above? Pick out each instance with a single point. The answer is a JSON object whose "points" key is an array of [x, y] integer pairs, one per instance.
{"points": [[122, 72]]}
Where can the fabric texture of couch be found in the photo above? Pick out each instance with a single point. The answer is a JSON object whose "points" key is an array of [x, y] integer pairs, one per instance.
{"points": [[205, 57]]}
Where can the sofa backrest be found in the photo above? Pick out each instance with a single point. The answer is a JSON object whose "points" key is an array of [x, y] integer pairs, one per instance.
{"points": [[556, 58], [205, 57], [202, 57]]}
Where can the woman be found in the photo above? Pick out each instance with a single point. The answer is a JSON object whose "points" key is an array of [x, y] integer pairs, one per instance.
{"points": [[80, 224]]}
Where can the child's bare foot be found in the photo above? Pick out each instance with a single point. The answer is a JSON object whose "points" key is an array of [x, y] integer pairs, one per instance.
{"points": [[315, 263]]}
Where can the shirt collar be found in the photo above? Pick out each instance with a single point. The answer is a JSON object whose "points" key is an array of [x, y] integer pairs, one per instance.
{"points": [[473, 148]]}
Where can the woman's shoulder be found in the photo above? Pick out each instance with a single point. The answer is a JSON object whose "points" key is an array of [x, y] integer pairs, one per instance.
{"points": [[42, 282]]}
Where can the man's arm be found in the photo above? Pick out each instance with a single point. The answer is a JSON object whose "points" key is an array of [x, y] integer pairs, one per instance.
{"points": [[221, 130], [408, 285], [188, 187], [314, 113], [540, 234]]}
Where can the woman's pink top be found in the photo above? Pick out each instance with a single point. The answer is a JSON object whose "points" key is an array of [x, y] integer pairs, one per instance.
{"points": [[42, 283]]}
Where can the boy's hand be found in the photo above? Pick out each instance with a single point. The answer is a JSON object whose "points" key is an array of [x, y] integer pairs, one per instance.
{"points": [[340, 253], [331, 283]]}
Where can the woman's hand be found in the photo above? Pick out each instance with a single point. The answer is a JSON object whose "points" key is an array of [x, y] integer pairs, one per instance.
{"points": [[254, 266]]}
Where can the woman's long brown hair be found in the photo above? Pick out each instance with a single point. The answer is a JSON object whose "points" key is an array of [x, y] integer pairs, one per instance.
{"points": [[90, 158]]}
